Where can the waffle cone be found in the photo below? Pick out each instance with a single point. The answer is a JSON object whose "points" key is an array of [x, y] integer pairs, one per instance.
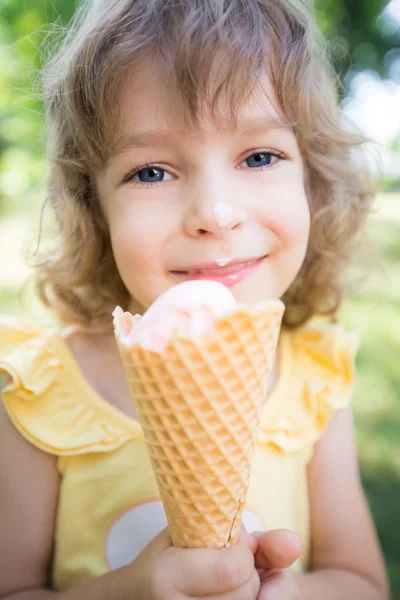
{"points": [[199, 405]]}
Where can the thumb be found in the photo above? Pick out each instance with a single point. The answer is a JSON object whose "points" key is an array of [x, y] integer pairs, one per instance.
{"points": [[248, 539], [277, 549]]}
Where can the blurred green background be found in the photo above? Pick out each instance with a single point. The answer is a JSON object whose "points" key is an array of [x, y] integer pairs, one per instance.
{"points": [[364, 43]]}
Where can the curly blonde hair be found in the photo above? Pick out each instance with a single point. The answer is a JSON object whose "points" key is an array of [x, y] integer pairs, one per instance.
{"points": [[79, 279]]}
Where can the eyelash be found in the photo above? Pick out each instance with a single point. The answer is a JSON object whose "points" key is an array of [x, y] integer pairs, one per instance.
{"points": [[129, 176]]}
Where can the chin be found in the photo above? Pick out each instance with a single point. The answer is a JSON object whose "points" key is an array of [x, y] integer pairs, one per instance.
{"points": [[250, 293]]}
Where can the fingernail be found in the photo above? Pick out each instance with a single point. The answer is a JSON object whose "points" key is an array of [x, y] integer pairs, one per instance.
{"points": [[257, 534]]}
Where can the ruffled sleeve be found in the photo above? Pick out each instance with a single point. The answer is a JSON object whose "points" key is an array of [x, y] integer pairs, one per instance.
{"points": [[46, 400], [318, 367]]}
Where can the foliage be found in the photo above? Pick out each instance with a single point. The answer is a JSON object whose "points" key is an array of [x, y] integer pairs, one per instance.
{"points": [[359, 38], [361, 35], [26, 30]]}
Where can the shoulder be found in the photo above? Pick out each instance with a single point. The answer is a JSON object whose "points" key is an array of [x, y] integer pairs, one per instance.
{"points": [[317, 367], [323, 358], [330, 349], [14, 329], [28, 356], [46, 396]]}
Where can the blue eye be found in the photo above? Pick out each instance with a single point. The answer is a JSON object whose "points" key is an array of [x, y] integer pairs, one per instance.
{"points": [[147, 175], [151, 175], [259, 159]]}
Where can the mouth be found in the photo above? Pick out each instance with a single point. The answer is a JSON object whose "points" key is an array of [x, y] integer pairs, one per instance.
{"points": [[228, 276]]}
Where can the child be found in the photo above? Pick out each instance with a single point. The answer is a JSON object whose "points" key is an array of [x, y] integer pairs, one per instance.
{"points": [[185, 135]]}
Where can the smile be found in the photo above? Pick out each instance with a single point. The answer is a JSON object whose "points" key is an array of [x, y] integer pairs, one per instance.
{"points": [[228, 276]]}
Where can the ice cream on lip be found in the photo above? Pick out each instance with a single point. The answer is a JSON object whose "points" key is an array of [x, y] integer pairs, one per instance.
{"points": [[228, 272], [222, 262]]}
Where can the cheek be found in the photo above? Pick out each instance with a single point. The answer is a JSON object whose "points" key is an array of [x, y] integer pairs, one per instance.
{"points": [[137, 238], [127, 243], [296, 224], [288, 217], [287, 214]]}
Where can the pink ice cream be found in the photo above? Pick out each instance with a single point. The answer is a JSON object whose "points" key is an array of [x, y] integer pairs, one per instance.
{"points": [[191, 308]]}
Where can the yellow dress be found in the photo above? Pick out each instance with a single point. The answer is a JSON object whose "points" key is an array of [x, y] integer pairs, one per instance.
{"points": [[109, 506]]}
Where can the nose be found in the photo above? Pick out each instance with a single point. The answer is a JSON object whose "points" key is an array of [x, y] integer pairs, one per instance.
{"points": [[202, 204]]}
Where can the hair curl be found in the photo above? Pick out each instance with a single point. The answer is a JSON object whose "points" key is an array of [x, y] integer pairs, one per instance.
{"points": [[79, 279]]}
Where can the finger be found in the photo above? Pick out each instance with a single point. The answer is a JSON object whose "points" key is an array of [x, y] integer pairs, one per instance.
{"points": [[278, 584], [277, 549], [161, 542], [269, 575], [249, 591], [205, 571], [249, 540]]}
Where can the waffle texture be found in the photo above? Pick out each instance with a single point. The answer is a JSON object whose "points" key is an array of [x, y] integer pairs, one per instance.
{"points": [[199, 404]]}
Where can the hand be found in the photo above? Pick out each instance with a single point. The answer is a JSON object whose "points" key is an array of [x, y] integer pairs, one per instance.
{"points": [[162, 572], [277, 550]]}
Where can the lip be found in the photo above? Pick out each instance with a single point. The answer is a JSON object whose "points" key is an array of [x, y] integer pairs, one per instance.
{"points": [[229, 276]]}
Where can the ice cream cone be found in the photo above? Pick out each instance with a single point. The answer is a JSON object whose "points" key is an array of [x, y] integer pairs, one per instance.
{"points": [[199, 404]]}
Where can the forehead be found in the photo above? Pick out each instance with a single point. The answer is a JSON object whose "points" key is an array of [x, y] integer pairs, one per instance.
{"points": [[150, 99]]}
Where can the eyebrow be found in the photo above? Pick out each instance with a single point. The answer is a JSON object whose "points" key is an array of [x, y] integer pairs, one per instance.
{"points": [[254, 125], [146, 139], [139, 140]]}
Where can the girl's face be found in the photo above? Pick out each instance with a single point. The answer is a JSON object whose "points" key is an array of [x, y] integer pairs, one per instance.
{"points": [[176, 198]]}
